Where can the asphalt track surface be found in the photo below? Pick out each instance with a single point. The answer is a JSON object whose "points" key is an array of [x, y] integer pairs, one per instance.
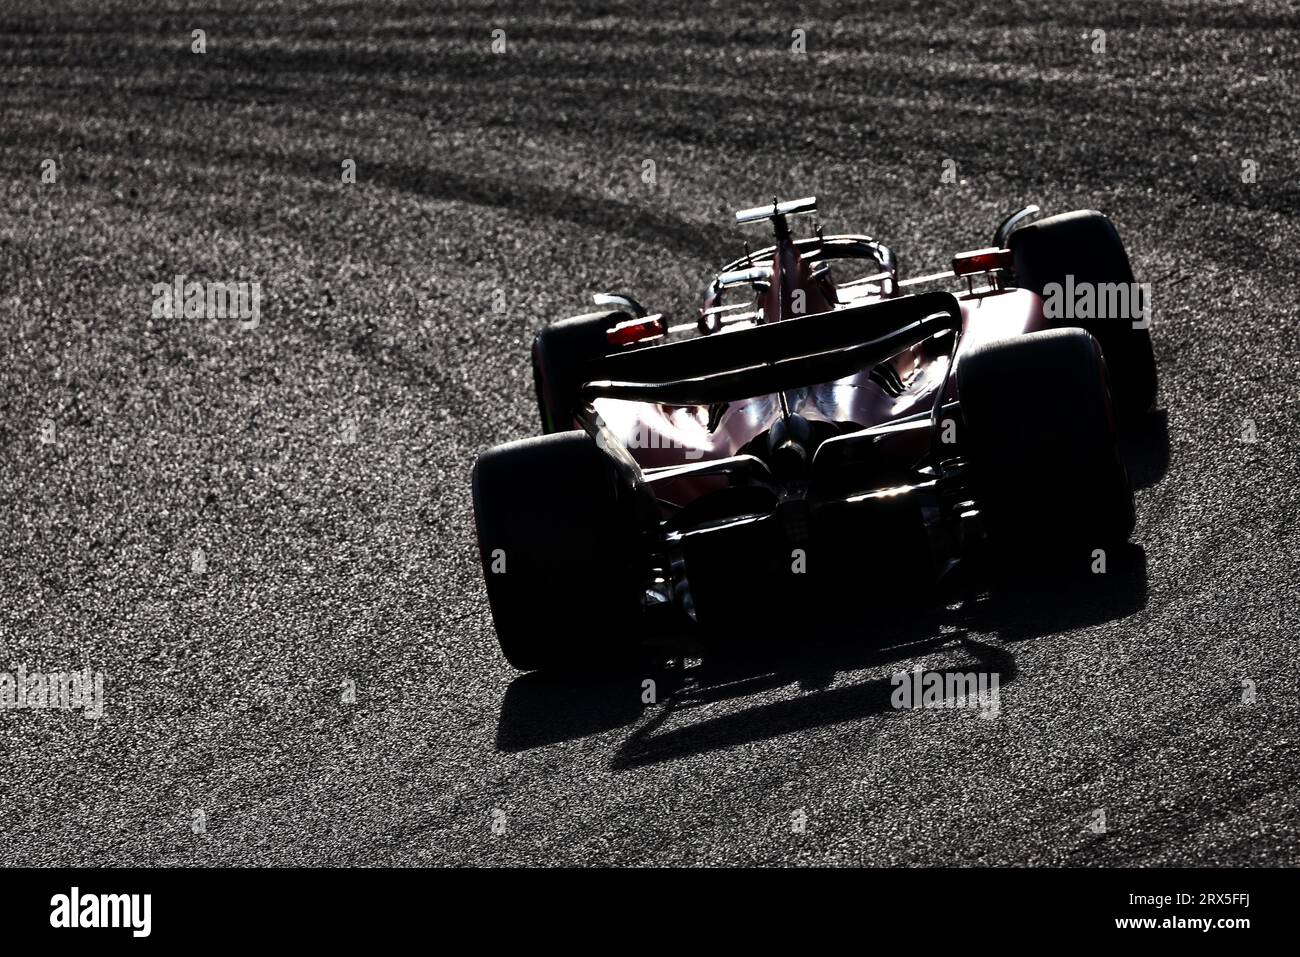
{"points": [[496, 192]]}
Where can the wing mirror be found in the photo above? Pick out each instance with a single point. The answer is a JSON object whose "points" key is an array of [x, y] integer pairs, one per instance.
{"points": [[621, 302], [1008, 225]]}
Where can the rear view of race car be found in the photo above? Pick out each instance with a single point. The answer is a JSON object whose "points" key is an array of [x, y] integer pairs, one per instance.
{"points": [[826, 431]]}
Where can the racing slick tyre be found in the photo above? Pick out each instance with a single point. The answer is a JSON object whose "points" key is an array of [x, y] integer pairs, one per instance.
{"points": [[561, 353], [556, 537], [1085, 245], [1042, 444]]}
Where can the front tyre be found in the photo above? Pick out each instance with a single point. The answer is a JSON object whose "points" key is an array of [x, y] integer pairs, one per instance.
{"points": [[1082, 249], [561, 355]]}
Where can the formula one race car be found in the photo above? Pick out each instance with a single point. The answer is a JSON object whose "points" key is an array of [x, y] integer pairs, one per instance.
{"points": [[821, 438]]}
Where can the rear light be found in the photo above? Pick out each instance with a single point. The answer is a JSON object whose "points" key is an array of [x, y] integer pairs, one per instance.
{"points": [[637, 330], [981, 260]]}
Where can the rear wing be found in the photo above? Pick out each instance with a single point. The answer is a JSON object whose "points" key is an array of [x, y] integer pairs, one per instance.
{"points": [[773, 357]]}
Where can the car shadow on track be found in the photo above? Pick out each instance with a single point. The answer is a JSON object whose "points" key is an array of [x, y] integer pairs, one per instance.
{"points": [[819, 705], [973, 631]]}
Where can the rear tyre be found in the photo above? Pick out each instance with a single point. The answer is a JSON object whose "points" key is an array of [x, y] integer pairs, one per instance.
{"points": [[557, 540], [1084, 244], [561, 353], [1042, 443]]}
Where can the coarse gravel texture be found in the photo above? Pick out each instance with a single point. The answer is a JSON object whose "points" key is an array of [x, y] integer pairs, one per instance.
{"points": [[495, 192]]}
